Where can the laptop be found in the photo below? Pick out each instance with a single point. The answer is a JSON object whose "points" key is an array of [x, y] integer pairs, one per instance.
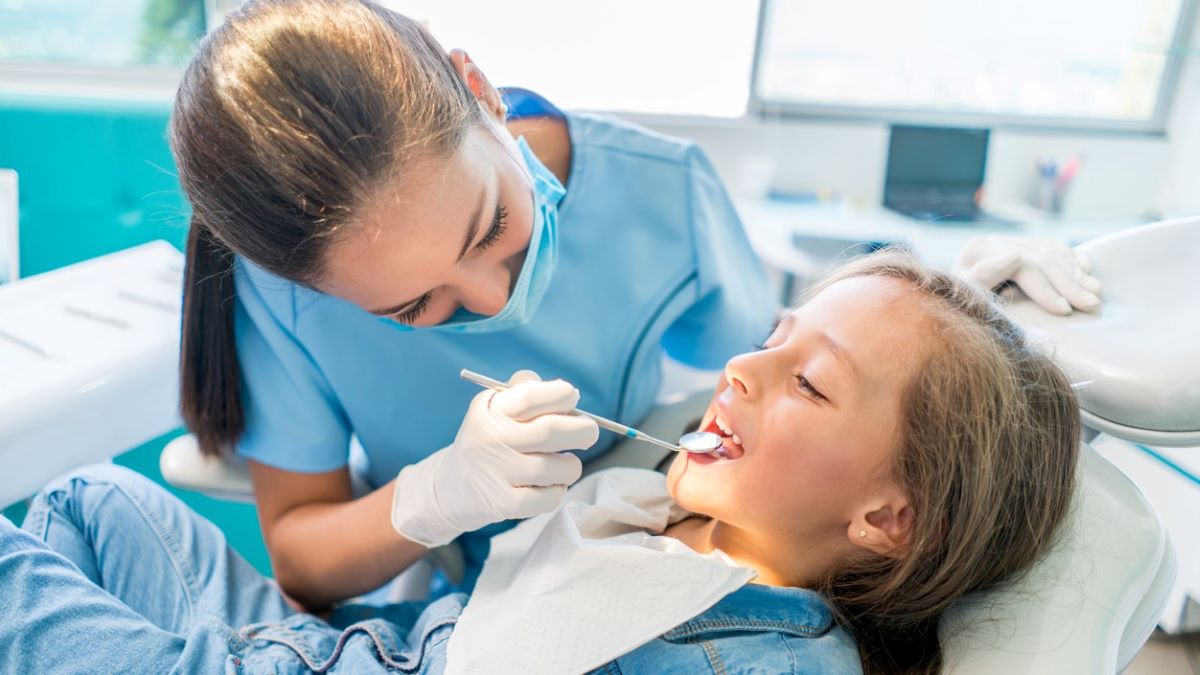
{"points": [[935, 173]]}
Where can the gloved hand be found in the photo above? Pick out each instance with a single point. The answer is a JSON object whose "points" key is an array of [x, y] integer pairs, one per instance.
{"points": [[1052, 274], [503, 464]]}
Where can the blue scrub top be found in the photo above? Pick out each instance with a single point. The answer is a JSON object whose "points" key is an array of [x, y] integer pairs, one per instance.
{"points": [[652, 257]]}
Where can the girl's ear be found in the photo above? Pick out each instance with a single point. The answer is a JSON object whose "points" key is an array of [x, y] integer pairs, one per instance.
{"points": [[884, 524], [477, 82]]}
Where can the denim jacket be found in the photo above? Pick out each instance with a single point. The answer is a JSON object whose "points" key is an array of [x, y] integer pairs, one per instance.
{"points": [[605, 523], [756, 629]]}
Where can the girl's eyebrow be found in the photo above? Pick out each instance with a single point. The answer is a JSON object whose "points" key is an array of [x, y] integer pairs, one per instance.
{"points": [[841, 355]]}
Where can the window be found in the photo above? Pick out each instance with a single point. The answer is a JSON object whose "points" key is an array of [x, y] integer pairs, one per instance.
{"points": [[1070, 61], [661, 56], [108, 33]]}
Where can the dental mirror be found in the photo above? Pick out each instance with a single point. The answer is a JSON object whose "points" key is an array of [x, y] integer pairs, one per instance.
{"points": [[702, 441]]}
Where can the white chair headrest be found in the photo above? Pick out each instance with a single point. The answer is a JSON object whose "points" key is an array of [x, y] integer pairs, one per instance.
{"points": [[1089, 605], [1135, 361]]}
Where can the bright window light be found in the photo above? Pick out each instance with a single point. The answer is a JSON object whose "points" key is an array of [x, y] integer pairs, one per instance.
{"points": [[690, 57], [108, 33], [1078, 59]]}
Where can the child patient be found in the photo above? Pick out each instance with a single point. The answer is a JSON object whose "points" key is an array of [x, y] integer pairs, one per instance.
{"points": [[892, 446]]}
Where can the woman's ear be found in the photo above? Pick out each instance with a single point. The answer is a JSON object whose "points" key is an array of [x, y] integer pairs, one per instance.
{"points": [[477, 82], [884, 525]]}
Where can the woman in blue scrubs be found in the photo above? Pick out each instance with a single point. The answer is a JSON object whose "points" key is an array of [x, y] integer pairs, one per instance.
{"points": [[371, 216]]}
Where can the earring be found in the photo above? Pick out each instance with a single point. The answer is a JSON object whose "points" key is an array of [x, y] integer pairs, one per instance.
{"points": [[862, 534]]}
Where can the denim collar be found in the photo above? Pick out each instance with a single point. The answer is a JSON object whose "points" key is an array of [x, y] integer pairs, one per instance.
{"points": [[754, 607]]}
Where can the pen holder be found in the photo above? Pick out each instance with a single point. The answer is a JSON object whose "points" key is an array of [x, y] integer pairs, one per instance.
{"points": [[1052, 184]]}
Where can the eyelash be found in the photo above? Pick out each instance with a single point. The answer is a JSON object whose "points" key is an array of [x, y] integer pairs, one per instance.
{"points": [[497, 230], [801, 380], [811, 390], [493, 235], [413, 313]]}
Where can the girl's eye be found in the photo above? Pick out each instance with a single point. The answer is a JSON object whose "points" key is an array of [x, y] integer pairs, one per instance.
{"points": [[807, 388], [413, 313], [497, 231]]}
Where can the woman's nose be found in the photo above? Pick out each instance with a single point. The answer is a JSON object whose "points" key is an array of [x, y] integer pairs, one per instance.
{"points": [[485, 291]]}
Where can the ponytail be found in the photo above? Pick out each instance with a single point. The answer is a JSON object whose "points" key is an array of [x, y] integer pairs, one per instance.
{"points": [[209, 379]]}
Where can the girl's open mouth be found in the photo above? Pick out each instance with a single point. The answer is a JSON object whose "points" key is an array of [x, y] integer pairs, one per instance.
{"points": [[732, 447]]}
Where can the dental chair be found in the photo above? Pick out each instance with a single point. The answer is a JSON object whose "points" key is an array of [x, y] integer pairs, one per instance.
{"points": [[1090, 605]]}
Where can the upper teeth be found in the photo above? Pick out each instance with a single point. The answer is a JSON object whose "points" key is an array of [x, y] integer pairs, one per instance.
{"points": [[737, 439], [723, 426]]}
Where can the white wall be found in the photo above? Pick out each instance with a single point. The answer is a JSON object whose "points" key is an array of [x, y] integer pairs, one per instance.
{"points": [[1180, 192]]}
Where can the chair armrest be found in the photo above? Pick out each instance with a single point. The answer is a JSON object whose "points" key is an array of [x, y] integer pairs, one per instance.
{"points": [[183, 466]]}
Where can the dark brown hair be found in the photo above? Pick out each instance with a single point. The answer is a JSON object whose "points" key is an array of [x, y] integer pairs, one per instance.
{"points": [[988, 451], [291, 114]]}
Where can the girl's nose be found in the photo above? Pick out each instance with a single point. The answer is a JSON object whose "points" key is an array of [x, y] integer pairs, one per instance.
{"points": [[738, 371], [738, 385]]}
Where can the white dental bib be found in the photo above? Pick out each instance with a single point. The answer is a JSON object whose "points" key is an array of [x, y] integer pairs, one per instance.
{"points": [[568, 591]]}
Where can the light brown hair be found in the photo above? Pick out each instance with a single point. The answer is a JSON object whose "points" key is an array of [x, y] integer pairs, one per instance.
{"points": [[987, 457]]}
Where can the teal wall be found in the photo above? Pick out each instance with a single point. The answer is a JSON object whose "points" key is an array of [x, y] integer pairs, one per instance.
{"points": [[97, 177]]}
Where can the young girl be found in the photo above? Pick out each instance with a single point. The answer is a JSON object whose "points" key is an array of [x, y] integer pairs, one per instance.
{"points": [[894, 445]]}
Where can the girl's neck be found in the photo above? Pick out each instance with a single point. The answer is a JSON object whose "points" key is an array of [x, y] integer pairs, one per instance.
{"points": [[776, 566]]}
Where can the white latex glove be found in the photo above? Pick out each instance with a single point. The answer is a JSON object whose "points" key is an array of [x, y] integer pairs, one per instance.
{"points": [[1052, 274], [503, 464]]}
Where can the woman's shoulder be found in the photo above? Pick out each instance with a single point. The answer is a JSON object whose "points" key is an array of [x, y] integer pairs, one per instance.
{"points": [[609, 133], [266, 297]]}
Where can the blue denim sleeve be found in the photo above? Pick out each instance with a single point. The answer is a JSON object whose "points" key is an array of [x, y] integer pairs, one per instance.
{"points": [[735, 302]]}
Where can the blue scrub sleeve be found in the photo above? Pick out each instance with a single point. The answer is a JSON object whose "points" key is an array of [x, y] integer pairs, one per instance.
{"points": [[293, 419], [736, 305]]}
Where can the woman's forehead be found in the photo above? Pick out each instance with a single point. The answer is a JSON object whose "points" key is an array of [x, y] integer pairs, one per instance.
{"points": [[408, 230]]}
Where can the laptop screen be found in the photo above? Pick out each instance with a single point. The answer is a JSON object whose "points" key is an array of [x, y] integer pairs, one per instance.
{"points": [[936, 157]]}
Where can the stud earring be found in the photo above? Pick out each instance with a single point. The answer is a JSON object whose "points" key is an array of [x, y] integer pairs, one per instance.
{"points": [[862, 534]]}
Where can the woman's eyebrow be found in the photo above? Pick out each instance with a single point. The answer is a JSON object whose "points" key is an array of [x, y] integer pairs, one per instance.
{"points": [[474, 225], [397, 309]]}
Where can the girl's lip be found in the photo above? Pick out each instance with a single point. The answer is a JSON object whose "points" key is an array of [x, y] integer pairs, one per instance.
{"points": [[732, 450]]}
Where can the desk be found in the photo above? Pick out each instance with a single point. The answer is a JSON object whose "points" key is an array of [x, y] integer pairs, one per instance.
{"points": [[801, 240]]}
